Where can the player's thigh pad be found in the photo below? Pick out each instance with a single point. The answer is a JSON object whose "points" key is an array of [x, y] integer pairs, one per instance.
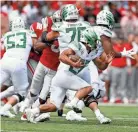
{"points": [[19, 77], [38, 79], [68, 80], [4, 73], [46, 87], [99, 89], [85, 75]]}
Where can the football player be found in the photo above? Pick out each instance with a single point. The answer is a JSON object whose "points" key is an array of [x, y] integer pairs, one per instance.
{"points": [[69, 15], [18, 43], [46, 68], [69, 25]]}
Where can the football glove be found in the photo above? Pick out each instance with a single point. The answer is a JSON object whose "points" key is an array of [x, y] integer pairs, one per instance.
{"points": [[128, 53]]}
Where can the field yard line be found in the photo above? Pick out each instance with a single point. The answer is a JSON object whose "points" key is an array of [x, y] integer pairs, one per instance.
{"points": [[121, 118], [12, 131], [132, 127], [117, 118], [119, 104], [114, 118]]}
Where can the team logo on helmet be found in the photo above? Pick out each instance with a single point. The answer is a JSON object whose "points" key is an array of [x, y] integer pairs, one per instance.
{"points": [[105, 17], [69, 12]]}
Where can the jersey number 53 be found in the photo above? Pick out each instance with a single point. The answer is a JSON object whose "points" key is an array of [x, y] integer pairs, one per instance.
{"points": [[16, 40]]}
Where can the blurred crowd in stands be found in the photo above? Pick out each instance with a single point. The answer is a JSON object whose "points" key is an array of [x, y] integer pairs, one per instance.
{"points": [[122, 75]]}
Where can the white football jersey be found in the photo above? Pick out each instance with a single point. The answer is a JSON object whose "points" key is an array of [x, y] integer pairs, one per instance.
{"points": [[18, 44], [69, 32], [100, 30], [82, 52]]}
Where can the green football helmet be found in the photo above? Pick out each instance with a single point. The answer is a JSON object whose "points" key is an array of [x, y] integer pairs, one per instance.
{"points": [[105, 17], [69, 12], [89, 37]]}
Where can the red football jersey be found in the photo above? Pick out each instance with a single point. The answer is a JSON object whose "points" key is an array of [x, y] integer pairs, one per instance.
{"points": [[37, 28], [50, 55]]}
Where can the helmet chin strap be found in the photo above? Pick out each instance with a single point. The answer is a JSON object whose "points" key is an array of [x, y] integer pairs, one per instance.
{"points": [[104, 26]]}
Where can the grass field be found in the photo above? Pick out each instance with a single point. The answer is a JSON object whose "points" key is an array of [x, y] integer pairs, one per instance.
{"points": [[124, 119]]}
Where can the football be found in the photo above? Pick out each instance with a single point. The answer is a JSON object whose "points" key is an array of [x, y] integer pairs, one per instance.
{"points": [[74, 58]]}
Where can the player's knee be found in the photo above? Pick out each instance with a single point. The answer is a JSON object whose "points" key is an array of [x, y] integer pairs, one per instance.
{"points": [[89, 99], [18, 97], [52, 107], [22, 87], [41, 101], [89, 89]]}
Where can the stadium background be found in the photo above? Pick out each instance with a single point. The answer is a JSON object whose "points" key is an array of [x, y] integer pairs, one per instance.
{"points": [[122, 76]]}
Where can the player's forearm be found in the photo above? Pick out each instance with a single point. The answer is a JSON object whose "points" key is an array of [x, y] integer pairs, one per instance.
{"points": [[39, 46], [108, 47], [100, 64], [65, 59], [49, 36]]}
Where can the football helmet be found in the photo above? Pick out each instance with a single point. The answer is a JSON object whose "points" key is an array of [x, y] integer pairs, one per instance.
{"points": [[90, 37], [69, 12], [56, 17], [105, 17], [17, 24]]}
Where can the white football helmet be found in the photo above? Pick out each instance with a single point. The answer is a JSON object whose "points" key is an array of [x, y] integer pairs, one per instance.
{"points": [[69, 12], [105, 17], [56, 17], [17, 24]]}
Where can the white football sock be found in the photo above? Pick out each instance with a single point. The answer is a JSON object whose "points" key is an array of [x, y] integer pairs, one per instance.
{"points": [[74, 101], [30, 98], [7, 93], [80, 104], [6, 107], [97, 112], [36, 103]]}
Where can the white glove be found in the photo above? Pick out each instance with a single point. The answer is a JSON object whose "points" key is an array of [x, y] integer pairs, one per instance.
{"points": [[45, 22], [128, 53]]}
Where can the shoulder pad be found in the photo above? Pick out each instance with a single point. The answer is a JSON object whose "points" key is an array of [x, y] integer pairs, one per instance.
{"points": [[86, 23], [56, 26], [105, 31], [31, 33]]}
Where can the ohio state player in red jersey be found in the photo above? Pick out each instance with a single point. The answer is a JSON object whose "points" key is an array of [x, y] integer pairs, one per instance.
{"points": [[45, 71]]}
